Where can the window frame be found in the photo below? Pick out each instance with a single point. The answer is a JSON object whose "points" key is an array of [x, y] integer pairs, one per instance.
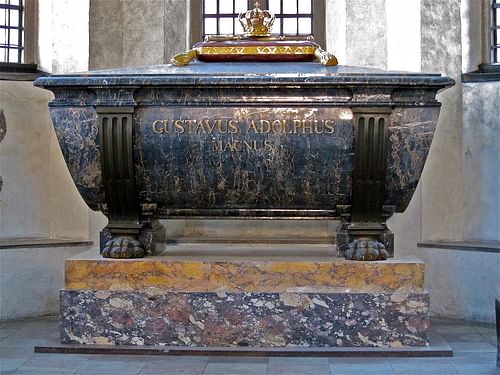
{"points": [[318, 24], [28, 69], [489, 70], [494, 26]]}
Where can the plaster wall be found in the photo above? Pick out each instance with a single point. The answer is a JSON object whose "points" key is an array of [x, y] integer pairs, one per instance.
{"points": [[30, 280], [403, 35], [481, 172], [63, 35], [127, 33], [38, 198], [366, 34], [25, 195], [336, 29], [441, 51], [462, 284], [454, 201]]}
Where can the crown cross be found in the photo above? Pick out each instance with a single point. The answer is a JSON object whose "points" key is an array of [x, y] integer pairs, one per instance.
{"points": [[257, 22]]}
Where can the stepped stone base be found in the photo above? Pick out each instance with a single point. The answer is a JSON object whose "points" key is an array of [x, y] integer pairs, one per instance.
{"points": [[297, 301]]}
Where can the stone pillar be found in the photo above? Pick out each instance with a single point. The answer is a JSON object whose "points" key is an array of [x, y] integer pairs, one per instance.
{"points": [[356, 32], [133, 33], [442, 192]]}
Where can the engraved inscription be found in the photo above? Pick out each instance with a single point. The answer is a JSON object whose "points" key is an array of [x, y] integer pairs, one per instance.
{"points": [[231, 126], [208, 126], [246, 157]]}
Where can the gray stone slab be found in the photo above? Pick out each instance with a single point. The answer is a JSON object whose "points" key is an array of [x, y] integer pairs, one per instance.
{"points": [[11, 364], [365, 367], [431, 366], [238, 368]]}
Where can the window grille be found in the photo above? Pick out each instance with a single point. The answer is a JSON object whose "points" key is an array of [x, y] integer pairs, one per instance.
{"points": [[495, 31], [293, 17], [11, 31]]}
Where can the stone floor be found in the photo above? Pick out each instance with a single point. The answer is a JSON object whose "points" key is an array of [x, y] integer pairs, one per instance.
{"points": [[474, 346]]}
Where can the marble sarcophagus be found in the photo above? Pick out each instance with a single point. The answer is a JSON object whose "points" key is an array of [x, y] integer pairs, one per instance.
{"points": [[245, 140]]}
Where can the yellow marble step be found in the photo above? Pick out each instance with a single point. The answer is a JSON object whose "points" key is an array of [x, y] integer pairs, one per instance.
{"points": [[244, 268]]}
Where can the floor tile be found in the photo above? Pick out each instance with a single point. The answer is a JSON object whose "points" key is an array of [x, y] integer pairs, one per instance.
{"points": [[419, 366], [299, 360], [298, 369], [11, 364], [110, 367], [368, 367], [174, 365], [16, 352], [41, 361], [485, 369], [234, 359], [474, 345], [473, 358], [45, 370], [238, 368]]}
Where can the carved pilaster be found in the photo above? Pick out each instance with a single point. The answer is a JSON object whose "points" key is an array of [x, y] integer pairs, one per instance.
{"points": [[123, 211], [366, 237]]}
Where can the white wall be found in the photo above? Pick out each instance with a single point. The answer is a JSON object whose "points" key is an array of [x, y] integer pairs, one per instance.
{"points": [[458, 195], [38, 199], [63, 35], [30, 280], [455, 200]]}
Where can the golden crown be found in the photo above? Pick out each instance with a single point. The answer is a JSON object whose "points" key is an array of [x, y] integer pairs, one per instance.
{"points": [[257, 22]]}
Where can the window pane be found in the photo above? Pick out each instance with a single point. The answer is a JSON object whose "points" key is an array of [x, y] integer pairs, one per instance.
{"points": [[290, 6], [210, 6], [210, 26], [290, 26], [14, 18], [238, 29], [274, 6], [13, 55], [304, 6], [241, 6], [14, 2], [3, 16], [226, 6], [3, 37], [305, 26], [226, 25], [276, 27], [14, 38]]}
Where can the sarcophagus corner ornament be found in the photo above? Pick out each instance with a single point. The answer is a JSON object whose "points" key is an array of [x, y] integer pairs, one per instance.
{"points": [[287, 139]]}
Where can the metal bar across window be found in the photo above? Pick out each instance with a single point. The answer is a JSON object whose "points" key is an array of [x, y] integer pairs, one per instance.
{"points": [[287, 22], [11, 31]]}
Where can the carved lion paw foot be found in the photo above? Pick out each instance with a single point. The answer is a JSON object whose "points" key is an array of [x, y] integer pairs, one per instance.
{"points": [[366, 250], [123, 248]]}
